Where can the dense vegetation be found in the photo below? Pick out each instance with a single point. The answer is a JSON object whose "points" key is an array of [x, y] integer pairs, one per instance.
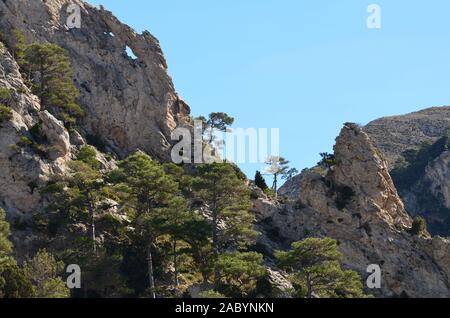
{"points": [[419, 227], [316, 271], [38, 277], [145, 228], [158, 229], [47, 70]]}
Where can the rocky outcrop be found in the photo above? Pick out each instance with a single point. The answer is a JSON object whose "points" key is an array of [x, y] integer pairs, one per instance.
{"points": [[22, 169], [355, 202], [362, 168], [291, 188], [56, 135], [130, 103], [26, 164], [438, 175]]}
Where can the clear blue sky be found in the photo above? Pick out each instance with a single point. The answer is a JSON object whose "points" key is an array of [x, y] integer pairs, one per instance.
{"points": [[305, 67]]}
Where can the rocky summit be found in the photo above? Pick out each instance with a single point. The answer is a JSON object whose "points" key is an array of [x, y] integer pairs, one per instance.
{"points": [[356, 203]]}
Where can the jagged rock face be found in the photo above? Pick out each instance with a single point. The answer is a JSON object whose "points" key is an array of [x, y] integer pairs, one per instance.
{"points": [[362, 168], [131, 104], [429, 195], [393, 135], [438, 174], [291, 188], [56, 135], [370, 227], [25, 167], [21, 169]]}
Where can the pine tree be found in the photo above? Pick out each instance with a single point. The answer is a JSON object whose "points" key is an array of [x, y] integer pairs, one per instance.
{"points": [[217, 121], [328, 160], [152, 195], [43, 271], [277, 166], [316, 271], [228, 204], [5, 243], [18, 45], [292, 172], [13, 281], [79, 215], [47, 68], [5, 110], [240, 271], [260, 182], [77, 196]]}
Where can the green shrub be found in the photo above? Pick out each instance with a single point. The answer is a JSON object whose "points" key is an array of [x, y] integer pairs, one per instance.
{"points": [[270, 193], [88, 155], [5, 95], [24, 142], [211, 294], [40, 222], [419, 227], [5, 114], [328, 160]]}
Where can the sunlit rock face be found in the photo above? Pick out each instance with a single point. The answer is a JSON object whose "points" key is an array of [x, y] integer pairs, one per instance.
{"points": [[131, 103], [426, 190], [356, 203]]}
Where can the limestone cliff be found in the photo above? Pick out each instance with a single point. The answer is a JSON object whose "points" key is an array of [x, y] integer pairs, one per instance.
{"points": [[416, 145], [356, 203], [24, 167], [131, 103], [21, 167]]}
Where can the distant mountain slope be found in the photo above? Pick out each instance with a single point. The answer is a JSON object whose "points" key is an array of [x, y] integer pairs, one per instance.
{"points": [[417, 148], [393, 135]]}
